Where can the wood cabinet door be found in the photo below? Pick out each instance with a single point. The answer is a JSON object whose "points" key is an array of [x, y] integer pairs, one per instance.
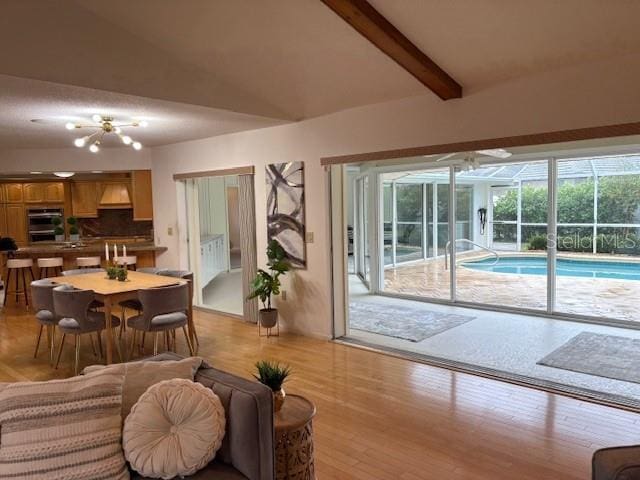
{"points": [[3, 221], [17, 223], [13, 192], [142, 195], [54, 192], [3, 193], [84, 199], [33, 192]]}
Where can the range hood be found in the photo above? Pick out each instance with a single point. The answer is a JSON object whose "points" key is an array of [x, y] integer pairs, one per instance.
{"points": [[115, 195]]}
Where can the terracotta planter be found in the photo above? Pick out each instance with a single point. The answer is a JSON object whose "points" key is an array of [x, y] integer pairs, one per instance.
{"points": [[268, 317], [278, 399]]}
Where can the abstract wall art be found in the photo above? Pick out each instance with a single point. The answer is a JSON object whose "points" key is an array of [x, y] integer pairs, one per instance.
{"points": [[285, 210]]}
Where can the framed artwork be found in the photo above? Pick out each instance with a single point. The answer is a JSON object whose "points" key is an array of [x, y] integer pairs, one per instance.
{"points": [[285, 210]]}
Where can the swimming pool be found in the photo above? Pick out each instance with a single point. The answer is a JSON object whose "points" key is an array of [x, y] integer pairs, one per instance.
{"points": [[523, 265]]}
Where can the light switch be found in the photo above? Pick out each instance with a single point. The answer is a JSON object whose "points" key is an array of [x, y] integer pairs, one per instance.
{"points": [[309, 237], [170, 231]]}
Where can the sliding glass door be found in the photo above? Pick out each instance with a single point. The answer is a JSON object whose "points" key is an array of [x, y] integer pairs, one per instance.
{"points": [[556, 236], [361, 229]]}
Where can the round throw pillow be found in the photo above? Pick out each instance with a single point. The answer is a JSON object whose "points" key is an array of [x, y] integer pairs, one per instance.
{"points": [[174, 429]]}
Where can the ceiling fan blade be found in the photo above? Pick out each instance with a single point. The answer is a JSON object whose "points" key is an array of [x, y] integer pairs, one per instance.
{"points": [[495, 152], [444, 157]]}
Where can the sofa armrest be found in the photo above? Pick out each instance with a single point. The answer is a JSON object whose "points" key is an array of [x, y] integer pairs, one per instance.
{"points": [[616, 463], [249, 443]]}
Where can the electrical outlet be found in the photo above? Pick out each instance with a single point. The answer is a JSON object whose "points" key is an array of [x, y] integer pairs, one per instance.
{"points": [[309, 237], [283, 294], [170, 231]]}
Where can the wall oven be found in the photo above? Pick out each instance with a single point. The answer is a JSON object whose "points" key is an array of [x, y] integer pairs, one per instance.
{"points": [[40, 223]]}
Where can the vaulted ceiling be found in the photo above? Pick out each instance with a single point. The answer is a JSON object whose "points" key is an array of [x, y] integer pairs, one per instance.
{"points": [[285, 60]]}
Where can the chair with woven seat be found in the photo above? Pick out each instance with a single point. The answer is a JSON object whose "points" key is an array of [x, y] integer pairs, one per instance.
{"points": [[164, 310], [72, 306], [188, 276], [42, 297]]}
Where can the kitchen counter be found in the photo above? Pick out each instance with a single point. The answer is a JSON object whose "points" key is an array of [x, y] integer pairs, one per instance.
{"points": [[144, 251], [96, 248]]}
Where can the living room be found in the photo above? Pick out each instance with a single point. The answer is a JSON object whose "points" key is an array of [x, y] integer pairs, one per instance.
{"points": [[242, 95]]}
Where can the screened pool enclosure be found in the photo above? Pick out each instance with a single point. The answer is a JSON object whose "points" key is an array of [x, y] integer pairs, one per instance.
{"points": [[522, 232]]}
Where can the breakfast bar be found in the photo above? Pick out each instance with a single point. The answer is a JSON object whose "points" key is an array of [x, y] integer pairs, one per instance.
{"points": [[144, 251]]}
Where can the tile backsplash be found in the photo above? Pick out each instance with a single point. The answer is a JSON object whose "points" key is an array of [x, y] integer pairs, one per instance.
{"points": [[115, 222]]}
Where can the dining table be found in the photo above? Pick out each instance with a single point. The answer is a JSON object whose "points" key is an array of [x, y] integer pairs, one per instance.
{"points": [[112, 292]]}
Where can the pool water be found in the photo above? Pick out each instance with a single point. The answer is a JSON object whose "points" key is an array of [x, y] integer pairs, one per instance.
{"points": [[564, 267]]}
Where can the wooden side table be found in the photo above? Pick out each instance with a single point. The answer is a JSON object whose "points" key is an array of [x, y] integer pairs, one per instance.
{"points": [[294, 439]]}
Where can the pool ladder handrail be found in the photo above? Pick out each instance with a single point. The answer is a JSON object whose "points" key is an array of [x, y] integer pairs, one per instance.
{"points": [[447, 247]]}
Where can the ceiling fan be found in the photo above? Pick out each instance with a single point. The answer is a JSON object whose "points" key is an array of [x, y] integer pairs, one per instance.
{"points": [[471, 162]]}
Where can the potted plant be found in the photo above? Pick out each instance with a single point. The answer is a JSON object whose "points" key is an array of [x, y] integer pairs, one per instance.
{"points": [[58, 230], [267, 283], [112, 272], [74, 233], [273, 375], [121, 274]]}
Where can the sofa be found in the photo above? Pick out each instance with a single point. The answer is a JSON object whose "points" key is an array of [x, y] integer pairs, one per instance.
{"points": [[616, 463], [247, 450]]}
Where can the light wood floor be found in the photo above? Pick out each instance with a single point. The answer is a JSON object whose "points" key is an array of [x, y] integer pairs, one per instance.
{"points": [[385, 418]]}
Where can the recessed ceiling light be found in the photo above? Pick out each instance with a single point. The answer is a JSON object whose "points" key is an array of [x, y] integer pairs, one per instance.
{"points": [[35, 173], [64, 174], [96, 171]]}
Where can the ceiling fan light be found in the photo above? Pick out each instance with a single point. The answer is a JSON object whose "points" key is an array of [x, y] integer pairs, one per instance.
{"points": [[136, 145], [143, 123], [64, 174], [97, 118], [94, 148], [70, 126], [79, 142], [127, 140], [117, 130]]}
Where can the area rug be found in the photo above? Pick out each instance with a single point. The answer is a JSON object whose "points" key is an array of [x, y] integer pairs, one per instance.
{"points": [[408, 323], [598, 354]]}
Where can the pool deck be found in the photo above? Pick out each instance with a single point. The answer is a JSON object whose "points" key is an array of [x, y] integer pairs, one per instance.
{"points": [[595, 297]]}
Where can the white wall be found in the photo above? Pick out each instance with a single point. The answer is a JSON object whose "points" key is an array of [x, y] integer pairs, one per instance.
{"points": [[583, 96], [73, 159]]}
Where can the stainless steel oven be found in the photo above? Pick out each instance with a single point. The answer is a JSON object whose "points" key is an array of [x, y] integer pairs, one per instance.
{"points": [[41, 226]]}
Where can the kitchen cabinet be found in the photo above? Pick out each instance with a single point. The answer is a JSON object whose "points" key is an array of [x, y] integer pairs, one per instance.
{"points": [[212, 258], [3, 221], [13, 193], [49, 192], [54, 192], [33, 192], [142, 195], [84, 199], [17, 223], [3, 193]]}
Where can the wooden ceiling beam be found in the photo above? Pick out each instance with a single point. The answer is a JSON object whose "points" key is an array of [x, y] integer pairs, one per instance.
{"points": [[361, 15]]}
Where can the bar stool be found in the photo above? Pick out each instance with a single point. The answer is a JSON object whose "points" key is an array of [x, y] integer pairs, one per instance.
{"points": [[129, 261], [46, 264], [88, 262], [19, 267]]}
